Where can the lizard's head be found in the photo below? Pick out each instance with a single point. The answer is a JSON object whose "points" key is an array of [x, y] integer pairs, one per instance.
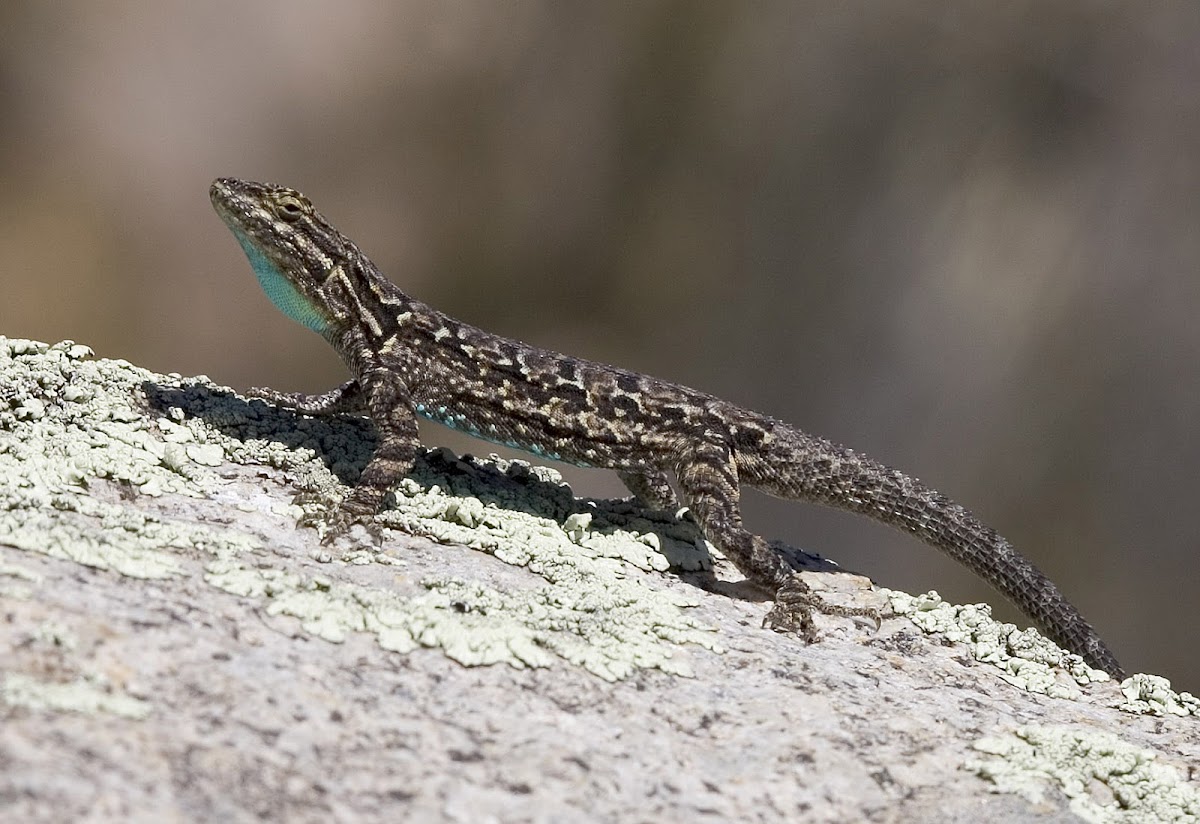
{"points": [[291, 247]]}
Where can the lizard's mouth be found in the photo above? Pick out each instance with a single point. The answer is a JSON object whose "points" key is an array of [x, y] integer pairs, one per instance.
{"points": [[224, 202]]}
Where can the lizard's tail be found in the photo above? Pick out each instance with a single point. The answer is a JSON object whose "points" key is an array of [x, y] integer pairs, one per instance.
{"points": [[791, 464]]}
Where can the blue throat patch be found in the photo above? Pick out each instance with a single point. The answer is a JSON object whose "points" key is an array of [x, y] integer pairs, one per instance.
{"points": [[280, 290]]}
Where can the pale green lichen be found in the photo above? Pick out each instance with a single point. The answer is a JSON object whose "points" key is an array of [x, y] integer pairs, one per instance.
{"points": [[57, 635], [67, 423], [475, 624], [1152, 695], [591, 610], [1025, 658], [1107, 780], [82, 696], [17, 582]]}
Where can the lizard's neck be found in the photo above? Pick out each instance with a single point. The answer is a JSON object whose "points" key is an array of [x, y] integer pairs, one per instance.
{"points": [[290, 300]]}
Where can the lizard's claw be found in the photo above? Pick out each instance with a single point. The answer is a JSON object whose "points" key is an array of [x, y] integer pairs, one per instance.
{"points": [[793, 610], [333, 519], [795, 604]]}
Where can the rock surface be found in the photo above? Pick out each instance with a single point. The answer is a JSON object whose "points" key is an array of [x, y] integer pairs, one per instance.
{"points": [[175, 649]]}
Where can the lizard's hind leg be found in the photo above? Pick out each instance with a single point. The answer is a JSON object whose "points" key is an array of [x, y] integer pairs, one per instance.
{"points": [[652, 488], [709, 480]]}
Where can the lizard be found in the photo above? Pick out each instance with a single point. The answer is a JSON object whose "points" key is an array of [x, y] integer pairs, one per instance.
{"points": [[409, 361]]}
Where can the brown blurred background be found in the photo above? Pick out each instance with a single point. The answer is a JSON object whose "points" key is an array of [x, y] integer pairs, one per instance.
{"points": [[962, 237]]}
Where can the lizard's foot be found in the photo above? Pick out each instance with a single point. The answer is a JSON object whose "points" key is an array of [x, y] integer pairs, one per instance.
{"points": [[795, 604], [332, 519]]}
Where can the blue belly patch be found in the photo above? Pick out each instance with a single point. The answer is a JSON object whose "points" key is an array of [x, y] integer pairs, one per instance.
{"points": [[459, 423]]}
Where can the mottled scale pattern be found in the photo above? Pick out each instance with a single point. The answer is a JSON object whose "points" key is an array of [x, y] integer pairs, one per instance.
{"points": [[409, 360]]}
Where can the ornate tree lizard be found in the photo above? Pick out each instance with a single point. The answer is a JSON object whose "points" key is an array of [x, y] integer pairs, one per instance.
{"points": [[410, 360]]}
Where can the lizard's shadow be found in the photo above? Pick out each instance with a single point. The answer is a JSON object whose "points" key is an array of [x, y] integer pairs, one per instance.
{"points": [[345, 443]]}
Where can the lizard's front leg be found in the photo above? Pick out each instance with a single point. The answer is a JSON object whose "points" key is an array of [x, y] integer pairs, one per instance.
{"points": [[388, 403], [390, 407]]}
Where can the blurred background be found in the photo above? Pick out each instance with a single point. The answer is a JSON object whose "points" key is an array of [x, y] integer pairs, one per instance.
{"points": [[961, 237]]}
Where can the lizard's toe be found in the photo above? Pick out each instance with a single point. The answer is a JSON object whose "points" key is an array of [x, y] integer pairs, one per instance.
{"points": [[795, 604]]}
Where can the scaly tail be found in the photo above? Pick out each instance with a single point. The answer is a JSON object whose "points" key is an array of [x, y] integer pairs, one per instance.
{"points": [[788, 463]]}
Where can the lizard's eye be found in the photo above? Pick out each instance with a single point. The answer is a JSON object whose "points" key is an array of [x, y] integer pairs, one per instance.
{"points": [[290, 208]]}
